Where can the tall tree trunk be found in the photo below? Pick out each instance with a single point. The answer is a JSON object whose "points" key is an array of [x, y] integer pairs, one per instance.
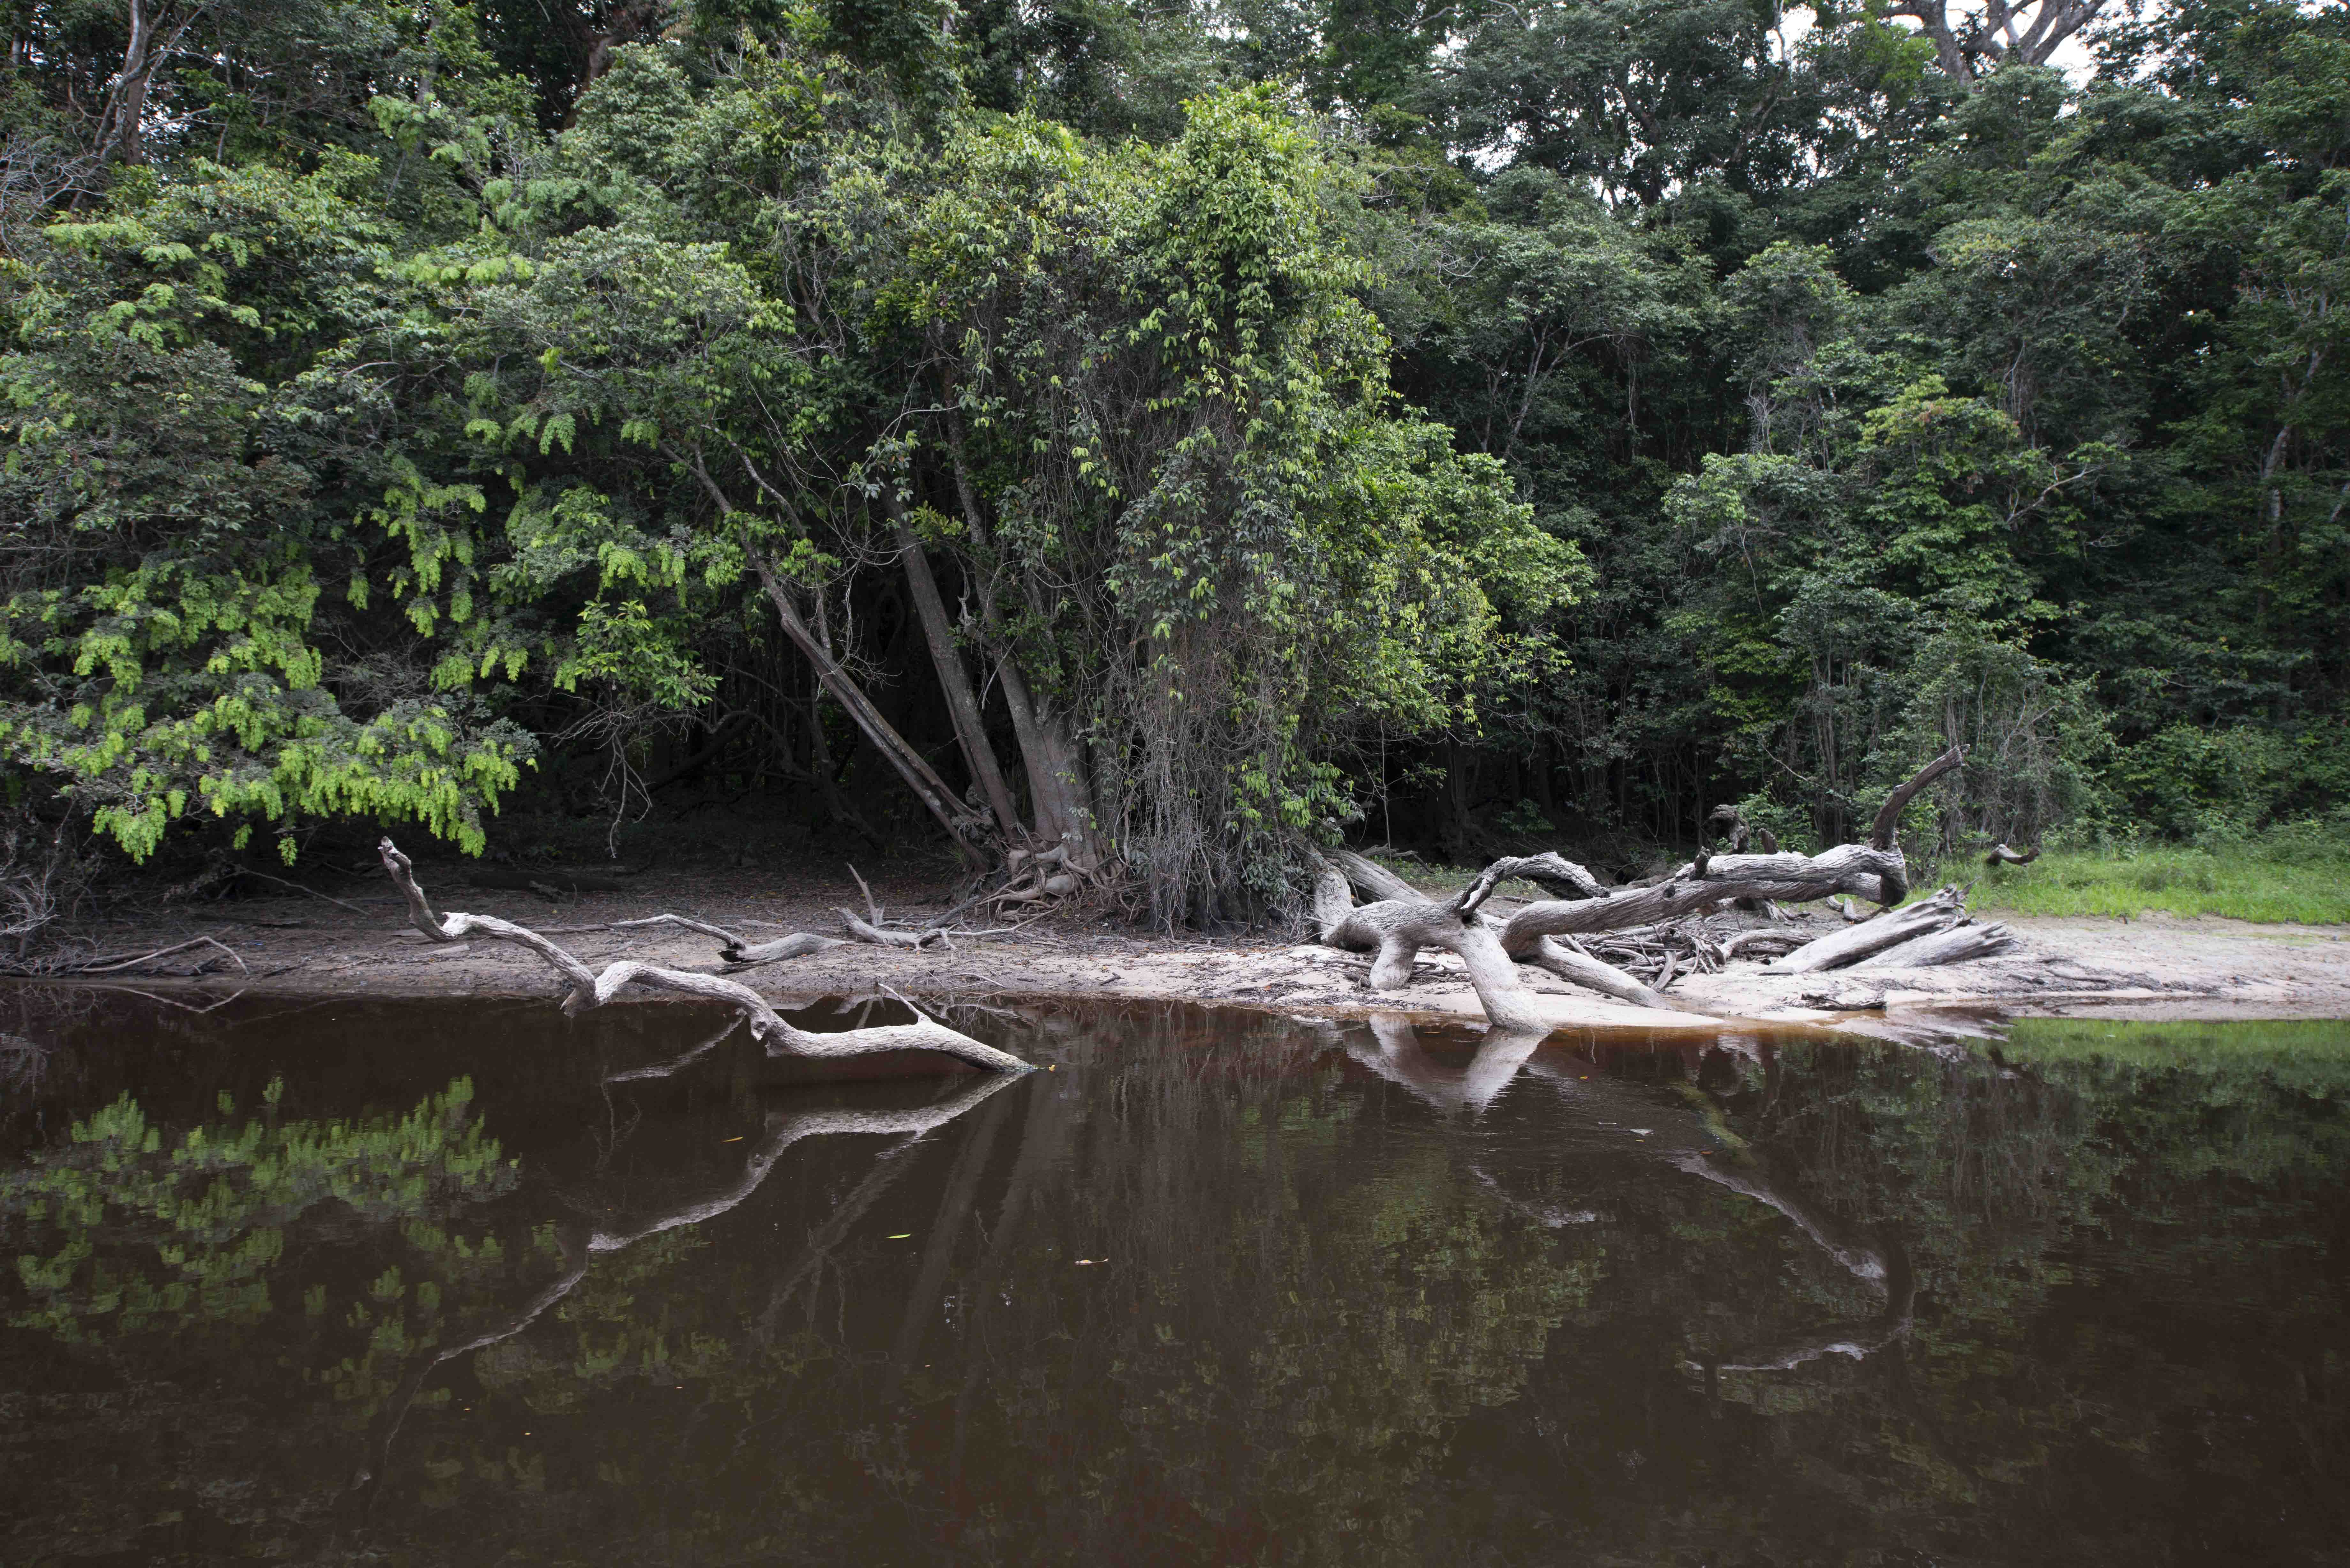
{"points": [[1057, 772], [130, 106], [970, 731]]}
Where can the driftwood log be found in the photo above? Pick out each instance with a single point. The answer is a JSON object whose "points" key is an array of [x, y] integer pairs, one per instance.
{"points": [[589, 989], [1960, 943], [1398, 921], [1853, 943]]}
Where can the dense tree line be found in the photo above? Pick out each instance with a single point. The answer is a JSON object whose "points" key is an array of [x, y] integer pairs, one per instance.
{"points": [[1177, 433]]}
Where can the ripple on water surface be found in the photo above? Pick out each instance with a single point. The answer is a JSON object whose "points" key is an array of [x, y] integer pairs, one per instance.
{"points": [[467, 1282]]}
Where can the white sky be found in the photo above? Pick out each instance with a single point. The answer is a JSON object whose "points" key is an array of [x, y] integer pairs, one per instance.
{"points": [[2072, 56]]}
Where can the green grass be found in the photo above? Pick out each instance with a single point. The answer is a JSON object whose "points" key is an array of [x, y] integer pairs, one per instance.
{"points": [[2263, 1042], [2297, 878], [2183, 880]]}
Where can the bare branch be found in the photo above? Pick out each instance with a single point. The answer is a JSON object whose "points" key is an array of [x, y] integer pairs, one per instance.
{"points": [[591, 990]]}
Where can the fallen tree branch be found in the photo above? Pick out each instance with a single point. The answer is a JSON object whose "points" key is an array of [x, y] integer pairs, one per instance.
{"points": [[354, 908], [1849, 946], [1747, 941], [591, 990], [1957, 944], [1791, 878], [865, 932], [115, 963], [1398, 926], [702, 927], [1888, 815], [1399, 920], [1578, 968], [799, 944]]}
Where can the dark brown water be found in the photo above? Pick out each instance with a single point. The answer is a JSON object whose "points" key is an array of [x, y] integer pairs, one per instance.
{"points": [[463, 1282]]}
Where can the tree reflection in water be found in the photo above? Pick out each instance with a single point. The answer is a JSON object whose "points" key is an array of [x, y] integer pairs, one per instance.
{"points": [[472, 1283]]}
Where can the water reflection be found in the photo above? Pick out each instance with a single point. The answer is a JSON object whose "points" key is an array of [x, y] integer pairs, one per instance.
{"points": [[448, 1283]]}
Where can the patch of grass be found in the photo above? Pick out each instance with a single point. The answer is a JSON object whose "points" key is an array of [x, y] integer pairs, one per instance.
{"points": [[2264, 1041], [2242, 885], [2298, 875]]}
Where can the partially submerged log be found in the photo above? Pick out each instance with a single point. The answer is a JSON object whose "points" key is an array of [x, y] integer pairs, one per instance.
{"points": [[589, 989]]}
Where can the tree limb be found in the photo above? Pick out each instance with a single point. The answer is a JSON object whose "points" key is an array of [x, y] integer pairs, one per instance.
{"points": [[591, 990]]}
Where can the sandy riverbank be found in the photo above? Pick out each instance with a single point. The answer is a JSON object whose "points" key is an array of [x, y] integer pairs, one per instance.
{"points": [[2150, 967]]}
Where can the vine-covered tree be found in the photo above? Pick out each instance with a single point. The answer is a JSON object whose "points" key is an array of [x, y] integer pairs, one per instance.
{"points": [[1153, 439]]}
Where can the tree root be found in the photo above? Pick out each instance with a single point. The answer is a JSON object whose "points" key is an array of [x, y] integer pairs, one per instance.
{"points": [[589, 989]]}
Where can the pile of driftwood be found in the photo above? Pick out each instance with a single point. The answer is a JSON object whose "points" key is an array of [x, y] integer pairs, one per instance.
{"points": [[1629, 942], [1935, 930]]}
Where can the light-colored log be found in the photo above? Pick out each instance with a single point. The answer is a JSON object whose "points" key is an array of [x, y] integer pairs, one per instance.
{"points": [[589, 989], [1853, 943], [1958, 944], [1398, 928], [1554, 957], [1375, 881], [1790, 878], [880, 938], [799, 944]]}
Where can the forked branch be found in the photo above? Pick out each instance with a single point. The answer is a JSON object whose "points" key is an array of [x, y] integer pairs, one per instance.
{"points": [[589, 989]]}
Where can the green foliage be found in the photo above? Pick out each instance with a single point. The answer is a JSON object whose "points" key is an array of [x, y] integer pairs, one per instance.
{"points": [[162, 1232], [1609, 407], [2292, 872], [169, 489]]}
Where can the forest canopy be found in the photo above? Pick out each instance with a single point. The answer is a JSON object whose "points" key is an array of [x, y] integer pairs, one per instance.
{"points": [[1176, 434]]}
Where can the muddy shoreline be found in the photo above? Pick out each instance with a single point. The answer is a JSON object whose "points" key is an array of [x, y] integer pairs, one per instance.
{"points": [[357, 944]]}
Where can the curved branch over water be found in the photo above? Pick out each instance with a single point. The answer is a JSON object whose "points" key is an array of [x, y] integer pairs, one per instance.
{"points": [[589, 989]]}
